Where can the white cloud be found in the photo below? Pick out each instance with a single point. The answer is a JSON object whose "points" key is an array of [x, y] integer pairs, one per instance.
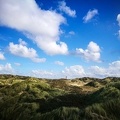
{"points": [[22, 42], [66, 9], [72, 33], [59, 63], [42, 26], [90, 15], [78, 71], [118, 33], [118, 19], [2, 57], [42, 74], [17, 64], [92, 53], [6, 69], [70, 72], [74, 71], [22, 51], [96, 71], [51, 48], [113, 70], [115, 64]]}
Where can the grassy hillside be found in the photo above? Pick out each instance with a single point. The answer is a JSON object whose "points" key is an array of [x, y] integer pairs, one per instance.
{"points": [[27, 98]]}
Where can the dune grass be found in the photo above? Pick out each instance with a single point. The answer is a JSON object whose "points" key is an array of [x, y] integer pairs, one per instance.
{"points": [[26, 98]]}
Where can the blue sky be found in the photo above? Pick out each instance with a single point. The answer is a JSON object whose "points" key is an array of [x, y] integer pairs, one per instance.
{"points": [[58, 38]]}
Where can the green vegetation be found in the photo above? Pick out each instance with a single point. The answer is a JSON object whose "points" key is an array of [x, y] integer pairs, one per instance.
{"points": [[27, 98]]}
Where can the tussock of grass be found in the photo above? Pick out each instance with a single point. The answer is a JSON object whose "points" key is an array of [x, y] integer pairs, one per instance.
{"points": [[62, 113]]}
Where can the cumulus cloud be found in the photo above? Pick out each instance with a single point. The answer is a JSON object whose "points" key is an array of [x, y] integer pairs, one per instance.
{"points": [[118, 19], [78, 71], [42, 26], [2, 57], [71, 72], [74, 71], [96, 71], [118, 33], [72, 33], [22, 51], [113, 70], [66, 9], [22, 42], [90, 15], [6, 69], [59, 63], [42, 74], [17, 64], [92, 53]]}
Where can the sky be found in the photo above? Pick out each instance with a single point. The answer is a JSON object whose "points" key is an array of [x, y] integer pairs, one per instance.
{"points": [[59, 38]]}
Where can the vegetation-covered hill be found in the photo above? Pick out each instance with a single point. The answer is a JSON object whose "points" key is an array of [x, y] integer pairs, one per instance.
{"points": [[27, 98]]}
